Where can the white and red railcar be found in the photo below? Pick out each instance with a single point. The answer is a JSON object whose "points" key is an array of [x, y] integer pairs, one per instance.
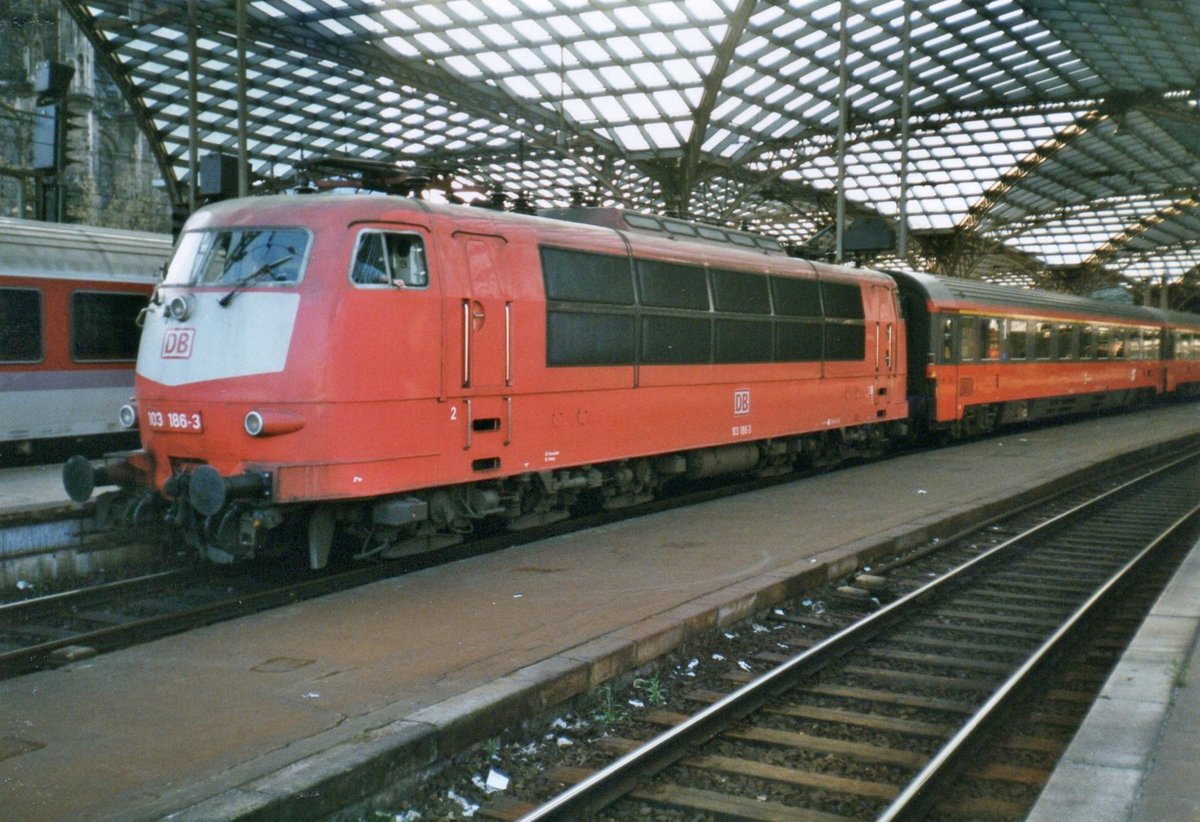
{"points": [[396, 370], [69, 299]]}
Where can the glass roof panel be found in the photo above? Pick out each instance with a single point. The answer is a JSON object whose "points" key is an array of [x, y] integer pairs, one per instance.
{"points": [[1026, 114]]}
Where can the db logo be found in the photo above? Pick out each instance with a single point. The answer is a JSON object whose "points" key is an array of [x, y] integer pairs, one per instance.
{"points": [[741, 403], [177, 343]]}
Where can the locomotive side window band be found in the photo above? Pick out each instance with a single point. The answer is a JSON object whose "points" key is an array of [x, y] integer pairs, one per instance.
{"points": [[21, 324], [742, 341], [593, 317], [592, 338], [596, 324], [796, 298], [103, 327], [741, 293], [390, 258], [676, 340], [578, 276], [239, 257], [671, 285]]}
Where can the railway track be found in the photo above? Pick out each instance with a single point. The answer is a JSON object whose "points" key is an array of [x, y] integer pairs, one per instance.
{"points": [[952, 699], [53, 630], [57, 629]]}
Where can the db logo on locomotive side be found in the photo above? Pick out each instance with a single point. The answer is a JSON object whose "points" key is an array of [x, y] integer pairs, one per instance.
{"points": [[741, 402], [177, 343]]}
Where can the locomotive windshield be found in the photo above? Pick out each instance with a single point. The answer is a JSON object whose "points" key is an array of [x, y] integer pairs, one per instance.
{"points": [[238, 256]]}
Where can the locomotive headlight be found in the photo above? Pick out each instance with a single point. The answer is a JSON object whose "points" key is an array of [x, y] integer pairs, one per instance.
{"points": [[128, 416], [268, 423], [180, 307], [254, 423]]}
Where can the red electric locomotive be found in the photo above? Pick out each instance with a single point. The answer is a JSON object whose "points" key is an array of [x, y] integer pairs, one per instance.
{"points": [[395, 371]]}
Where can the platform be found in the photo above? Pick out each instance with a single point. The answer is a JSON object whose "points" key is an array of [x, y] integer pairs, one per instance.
{"points": [[37, 488], [1137, 756], [285, 711]]}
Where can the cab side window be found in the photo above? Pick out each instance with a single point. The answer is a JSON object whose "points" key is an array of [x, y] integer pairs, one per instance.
{"points": [[390, 258]]}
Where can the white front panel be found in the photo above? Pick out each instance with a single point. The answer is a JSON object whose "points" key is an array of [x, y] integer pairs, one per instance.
{"points": [[252, 335]]}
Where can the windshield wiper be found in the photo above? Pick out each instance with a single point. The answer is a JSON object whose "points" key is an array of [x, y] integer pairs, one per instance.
{"points": [[256, 274]]}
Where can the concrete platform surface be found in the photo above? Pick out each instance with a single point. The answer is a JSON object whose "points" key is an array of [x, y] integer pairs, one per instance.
{"points": [[278, 712], [35, 488], [1137, 756]]}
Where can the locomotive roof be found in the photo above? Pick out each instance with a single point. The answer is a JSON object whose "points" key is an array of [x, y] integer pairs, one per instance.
{"points": [[626, 220], [64, 251], [653, 234], [961, 293]]}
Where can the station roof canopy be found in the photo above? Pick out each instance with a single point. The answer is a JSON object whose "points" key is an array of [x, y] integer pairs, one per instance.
{"points": [[1045, 134]]}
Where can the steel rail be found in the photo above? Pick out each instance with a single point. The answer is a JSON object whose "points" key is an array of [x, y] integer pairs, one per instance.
{"points": [[624, 774], [915, 800], [24, 660], [11, 610]]}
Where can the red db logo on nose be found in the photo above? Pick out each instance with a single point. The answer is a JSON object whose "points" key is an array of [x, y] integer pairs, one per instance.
{"points": [[177, 343]]}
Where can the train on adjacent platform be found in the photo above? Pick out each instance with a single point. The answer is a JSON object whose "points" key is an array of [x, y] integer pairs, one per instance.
{"points": [[69, 300], [387, 373]]}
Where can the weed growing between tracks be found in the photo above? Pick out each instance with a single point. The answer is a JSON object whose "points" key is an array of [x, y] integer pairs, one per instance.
{"points": [[582, 736]]}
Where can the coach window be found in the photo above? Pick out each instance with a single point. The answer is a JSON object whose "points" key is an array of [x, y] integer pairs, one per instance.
{"points": [[1018, 339], [1151, 343], [1134, 346], [1103, 341], [968, 339], [390, 258], [103, 326], [21, 325], [1043, 338], [1087, 342], [1064, 341], [989, 338], [1117, 346], [945, 347]]}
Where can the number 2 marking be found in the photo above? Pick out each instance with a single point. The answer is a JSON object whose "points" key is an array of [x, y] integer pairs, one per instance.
{"points": [[453, 412]]}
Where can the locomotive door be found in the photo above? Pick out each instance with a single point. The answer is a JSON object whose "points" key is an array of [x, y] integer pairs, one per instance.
{"points": [[482, 373], [882, 314], [486, 316]]}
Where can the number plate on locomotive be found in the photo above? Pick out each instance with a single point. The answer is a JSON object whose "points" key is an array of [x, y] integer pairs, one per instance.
{"points": [[188, 421]]}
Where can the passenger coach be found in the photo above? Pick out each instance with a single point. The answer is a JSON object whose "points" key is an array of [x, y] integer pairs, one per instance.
{"points": [[69, 301], [984, 355]]}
